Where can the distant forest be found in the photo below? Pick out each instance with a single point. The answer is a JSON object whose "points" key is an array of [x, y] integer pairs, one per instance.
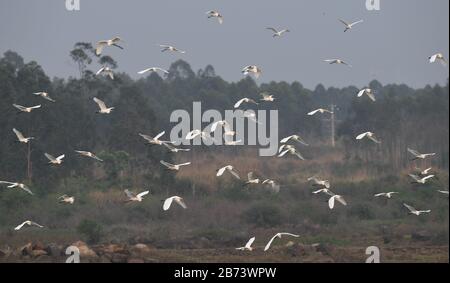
{"points": [[401, 117]]}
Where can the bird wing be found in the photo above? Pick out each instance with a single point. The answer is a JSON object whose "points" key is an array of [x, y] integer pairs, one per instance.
{"points": [[184, 164], [167, 203], [250, 242], [7, 183], [410, 208], [100, 71], [36, 224], [20, 107], [344, 22], [129, 194], [270, 242], [50, 157], [299, 155], [160, 135], [235, 174], [99, 47], [355, 23], [36, 107], [60, 157], [283, 153], [143, 194], [214, 126], [100, 103], [145, 71], [289, 234], [313, 112], [272, 29], [20, 226], [433, 58], [361, 92], [180, 202], [221, 171], [361, 136], [341, 200], [285, 140], [167, 164], [82, 152], [371, 96], [415, 177], [413, 152], [146, 137], [239, 103], [374, 139], [26, 189], [18, 134], [428, 177]]}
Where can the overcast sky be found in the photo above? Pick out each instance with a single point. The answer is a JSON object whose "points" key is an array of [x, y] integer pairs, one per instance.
{"points": [[392, 45]]}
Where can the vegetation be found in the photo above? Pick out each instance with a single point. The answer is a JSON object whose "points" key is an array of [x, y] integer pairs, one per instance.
{"points": [[402, 117]]}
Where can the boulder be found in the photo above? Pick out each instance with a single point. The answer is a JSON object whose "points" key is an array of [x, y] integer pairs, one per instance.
{"points": [[85, 251], [26, 250], [53, 250], [38, 253]]}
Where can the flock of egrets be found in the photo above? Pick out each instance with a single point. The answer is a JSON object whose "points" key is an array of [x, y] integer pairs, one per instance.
{"points": [[287, 147]]}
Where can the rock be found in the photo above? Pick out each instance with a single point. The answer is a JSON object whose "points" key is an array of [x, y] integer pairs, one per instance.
{"points": [[53, 250], [85, 251], [141, 248], [26, 250], [38, 246], [322, 248], [38, 253], [5, 251], [135, 260], [115, 249]]}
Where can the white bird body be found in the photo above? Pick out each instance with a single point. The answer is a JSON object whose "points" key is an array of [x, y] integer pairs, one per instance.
{"points": [[174, 167], [294, 138], [175, 149], [26, 109], [438, 57], [388, 195], [368, 135], [44, 95], [215, 14], [103, 108], [177, 199], [230, 169], [349, 26], [320, 110], [21, 138], [55, 161], [419, 180], [29, 223], [106, 71], [443, 192], [88, 154], [104, 43], [170, 48], [222, 123], [246, 100], [248, 245], [133, 197], [12, 185], [153, 70], [339, 198], [252, 69], [424, 172], [67, 199], [320, 183], [291, 150], [279, 235], [154, 140], [272, 184], [252, 180], [197, 133], [325, 191], [414, 211], [277, 33], [418, 155], [337, 61], [368, 92], [267, 97]]}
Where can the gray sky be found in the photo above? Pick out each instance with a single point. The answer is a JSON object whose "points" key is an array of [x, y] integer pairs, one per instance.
{"points": [[392, 45]]}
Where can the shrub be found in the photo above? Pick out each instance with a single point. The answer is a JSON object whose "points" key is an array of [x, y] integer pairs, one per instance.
{"points": [[91, 230], [264, 215]]}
